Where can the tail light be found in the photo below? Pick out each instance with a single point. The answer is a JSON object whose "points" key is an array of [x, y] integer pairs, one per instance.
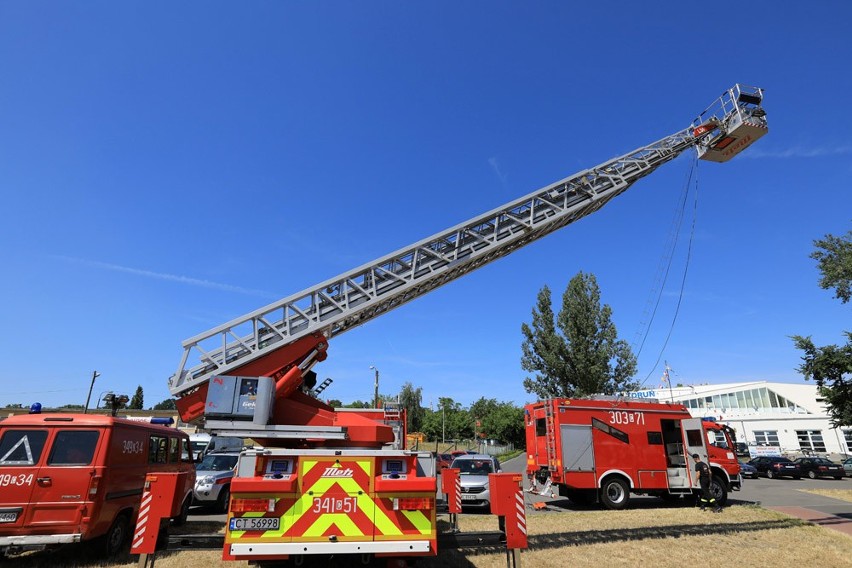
{"points": [[412, 504], [93, 486], [823, 468], [252, 505]]}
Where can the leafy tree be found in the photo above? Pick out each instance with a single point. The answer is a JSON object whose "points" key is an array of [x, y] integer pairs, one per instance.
{"points": [[831, 366], [834, 259], [359, 404], [168, 404], [410, 399], [449, 422], [499, 420], [136, 402], [71, 406], [334, 403], [579, 353]]}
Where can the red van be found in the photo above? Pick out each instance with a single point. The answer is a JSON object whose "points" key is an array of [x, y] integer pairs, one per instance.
{"points": [[77, 477]]}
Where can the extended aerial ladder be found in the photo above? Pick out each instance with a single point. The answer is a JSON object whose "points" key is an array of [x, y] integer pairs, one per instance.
{"points": [[285, 339]]}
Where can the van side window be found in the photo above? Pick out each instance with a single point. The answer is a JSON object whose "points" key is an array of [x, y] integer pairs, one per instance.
{"points": [[174, 450], [73, 447], [157, 446], [185, 454], [21, 447]]}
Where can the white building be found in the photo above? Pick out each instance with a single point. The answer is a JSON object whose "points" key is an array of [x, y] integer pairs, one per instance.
{"points": [[791, 416]]}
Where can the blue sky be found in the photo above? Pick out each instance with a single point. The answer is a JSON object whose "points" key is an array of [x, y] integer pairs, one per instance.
{"points": [[166, 167]]}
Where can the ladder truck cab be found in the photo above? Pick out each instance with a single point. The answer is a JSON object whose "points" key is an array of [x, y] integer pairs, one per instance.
{"points": [[331, 482], [605, 448]]}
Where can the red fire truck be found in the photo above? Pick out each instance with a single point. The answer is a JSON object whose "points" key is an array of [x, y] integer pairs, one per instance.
{"points": [[604, 449], [342, 483]]}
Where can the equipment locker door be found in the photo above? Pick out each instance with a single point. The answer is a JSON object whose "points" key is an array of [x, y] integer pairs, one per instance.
{"points": [[693, 443], [577, 449]]}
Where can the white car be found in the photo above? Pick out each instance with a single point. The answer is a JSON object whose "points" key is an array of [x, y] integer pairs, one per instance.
{"points": [[473, 474], [213, 479]]}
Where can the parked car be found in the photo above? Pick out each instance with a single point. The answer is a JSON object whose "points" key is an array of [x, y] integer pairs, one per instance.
{"points": [[213, 480], [473, 474], [748, 470], [776, 466], [442, 461], [847, 466], [820, 467]]}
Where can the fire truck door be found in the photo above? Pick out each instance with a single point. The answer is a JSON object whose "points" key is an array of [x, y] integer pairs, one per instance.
{"points": [[577, 450], [693, 443]]}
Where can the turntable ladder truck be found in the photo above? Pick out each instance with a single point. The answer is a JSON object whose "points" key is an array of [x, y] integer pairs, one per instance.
{"points": [[341, 482]]}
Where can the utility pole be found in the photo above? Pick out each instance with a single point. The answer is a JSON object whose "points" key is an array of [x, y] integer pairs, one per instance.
{"points": [[376, 397], [95, 375]]}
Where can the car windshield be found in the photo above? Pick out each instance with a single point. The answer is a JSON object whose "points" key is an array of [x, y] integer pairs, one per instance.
{"points": [[217, 463], [474, 467]]}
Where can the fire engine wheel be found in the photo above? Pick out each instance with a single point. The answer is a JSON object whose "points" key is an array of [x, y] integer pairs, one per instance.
{"points": [[116, 536], [718, 490], [615, 494], [224, 499]]}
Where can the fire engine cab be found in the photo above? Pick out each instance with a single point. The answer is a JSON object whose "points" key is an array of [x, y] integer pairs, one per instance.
{"points": [[605, 448]]}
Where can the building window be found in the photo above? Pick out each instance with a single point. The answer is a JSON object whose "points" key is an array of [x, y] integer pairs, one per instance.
{"points": [[766, 437], [847, 435], [811, 440]]}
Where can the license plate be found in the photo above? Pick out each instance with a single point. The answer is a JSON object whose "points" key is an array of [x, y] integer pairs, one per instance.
{"points": [[255, 524], [466, 497], [8, 517]]}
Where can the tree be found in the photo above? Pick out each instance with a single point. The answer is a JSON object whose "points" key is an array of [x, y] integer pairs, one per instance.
{"points": [[831, 366], [449, 422], [835, 263], [579, 354], [168, 404], [136, 403], [502, 421], [410, 399], [334, 403]]}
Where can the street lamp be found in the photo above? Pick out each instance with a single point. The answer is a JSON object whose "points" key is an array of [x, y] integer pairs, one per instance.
{"points": [[376, 397], [95, 375], [100, 398]]}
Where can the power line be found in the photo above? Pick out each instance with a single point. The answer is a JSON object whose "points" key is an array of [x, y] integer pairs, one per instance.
{"points": [[685, 272]]}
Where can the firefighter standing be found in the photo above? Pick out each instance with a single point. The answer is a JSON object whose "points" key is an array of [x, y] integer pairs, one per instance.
{"points": [[706, 498]]}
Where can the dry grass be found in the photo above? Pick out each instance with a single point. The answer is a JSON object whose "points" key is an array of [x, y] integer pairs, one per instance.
{"points": [[842, 494], [666, 537]]}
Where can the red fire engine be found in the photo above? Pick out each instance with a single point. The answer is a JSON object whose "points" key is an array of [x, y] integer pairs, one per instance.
{"points": [[604, 449], [331, 482]]}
